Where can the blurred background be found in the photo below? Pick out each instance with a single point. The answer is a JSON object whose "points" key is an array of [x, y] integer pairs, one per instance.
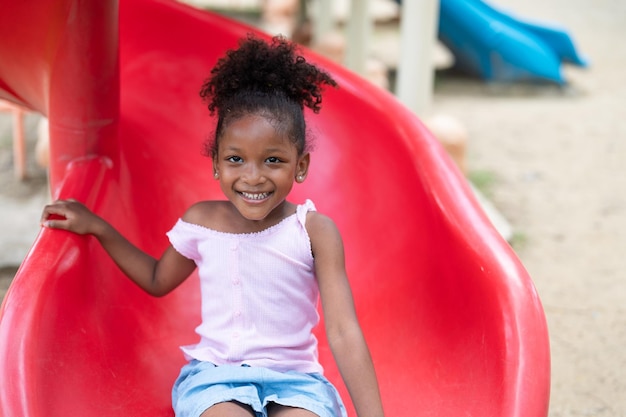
{"points": [[547, 156]]}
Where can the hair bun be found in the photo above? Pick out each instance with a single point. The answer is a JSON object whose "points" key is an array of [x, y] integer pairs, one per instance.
{"points": [[274, 67]]}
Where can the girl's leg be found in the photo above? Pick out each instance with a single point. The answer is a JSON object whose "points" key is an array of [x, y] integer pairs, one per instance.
{"points": [[277, 410], [229, 409]]}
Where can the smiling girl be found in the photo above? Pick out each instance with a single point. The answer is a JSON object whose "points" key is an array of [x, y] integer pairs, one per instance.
{"points": [[263, 261]]}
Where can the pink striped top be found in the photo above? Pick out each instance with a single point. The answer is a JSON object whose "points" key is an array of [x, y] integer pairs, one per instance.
{"points": [[259, 294]]}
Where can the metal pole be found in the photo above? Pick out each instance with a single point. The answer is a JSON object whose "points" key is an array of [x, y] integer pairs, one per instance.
{"points": [[418, 31], [324, 21], [359, 32]]}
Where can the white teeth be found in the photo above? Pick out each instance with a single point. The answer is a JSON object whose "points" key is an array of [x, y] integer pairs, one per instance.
{"points": [[256, 196]]}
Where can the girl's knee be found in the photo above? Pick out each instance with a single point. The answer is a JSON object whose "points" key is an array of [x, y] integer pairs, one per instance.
{"points": [[277, 410], [229, 409]]}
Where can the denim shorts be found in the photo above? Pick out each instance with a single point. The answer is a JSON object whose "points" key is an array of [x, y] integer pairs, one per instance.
{"points": [[203, 384]]}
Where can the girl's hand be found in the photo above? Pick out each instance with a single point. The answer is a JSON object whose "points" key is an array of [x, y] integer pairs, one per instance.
{"points": [[156, 277], [73, 216]]}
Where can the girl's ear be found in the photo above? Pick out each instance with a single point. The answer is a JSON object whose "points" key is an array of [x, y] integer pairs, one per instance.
{"points": [[216, 173], [303, 167]]}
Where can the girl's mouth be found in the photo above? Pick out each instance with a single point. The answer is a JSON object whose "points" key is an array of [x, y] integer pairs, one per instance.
{"points": [[254, 196]]}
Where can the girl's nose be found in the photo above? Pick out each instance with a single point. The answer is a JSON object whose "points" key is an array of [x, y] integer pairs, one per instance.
{"points": [[253, 175]]}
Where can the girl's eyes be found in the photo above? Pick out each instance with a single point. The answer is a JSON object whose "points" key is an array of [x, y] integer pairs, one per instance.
{"points": [[238, 159]]}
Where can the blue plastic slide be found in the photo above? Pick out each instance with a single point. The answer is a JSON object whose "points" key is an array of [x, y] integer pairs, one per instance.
{"points": [[498, 47]]}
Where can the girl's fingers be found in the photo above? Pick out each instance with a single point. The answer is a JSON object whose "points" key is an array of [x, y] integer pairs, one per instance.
{"points": [[53, 224], [54, 213], [54, 221], [69, 215]]}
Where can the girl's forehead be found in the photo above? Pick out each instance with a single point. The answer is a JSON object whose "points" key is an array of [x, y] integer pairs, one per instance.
{"points": [[255, 132]]}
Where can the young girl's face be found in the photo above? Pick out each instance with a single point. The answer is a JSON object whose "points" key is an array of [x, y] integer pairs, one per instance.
{"points": [[257, 167]]}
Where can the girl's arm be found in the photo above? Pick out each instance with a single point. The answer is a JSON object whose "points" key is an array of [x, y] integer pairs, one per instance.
{"points": [[156, 277], [342, 327]]}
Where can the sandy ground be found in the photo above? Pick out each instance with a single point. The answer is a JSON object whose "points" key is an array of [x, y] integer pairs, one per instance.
{"points": [[554, 163], [557, 162]]}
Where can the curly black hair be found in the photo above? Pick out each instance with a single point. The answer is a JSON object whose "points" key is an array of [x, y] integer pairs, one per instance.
{"points": [[270, 79]]}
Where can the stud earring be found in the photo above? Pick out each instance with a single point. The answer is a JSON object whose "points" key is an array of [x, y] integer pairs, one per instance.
{"points": [[216, 174], [300, 178]]}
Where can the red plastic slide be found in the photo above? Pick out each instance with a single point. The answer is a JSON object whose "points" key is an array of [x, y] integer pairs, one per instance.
{"points": [[452, 318]]}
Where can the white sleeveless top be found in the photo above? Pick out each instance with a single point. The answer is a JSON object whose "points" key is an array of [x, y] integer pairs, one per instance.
{"points": [[259, 294]]}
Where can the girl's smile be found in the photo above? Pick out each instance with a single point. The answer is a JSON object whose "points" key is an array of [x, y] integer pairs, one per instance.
{"points": [[257, 166], [255, 196]]}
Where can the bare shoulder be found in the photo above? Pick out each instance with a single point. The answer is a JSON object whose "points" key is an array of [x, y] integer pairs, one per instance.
{"points": [[323, 232], [328, 252], [318, 222], [206, 213]]}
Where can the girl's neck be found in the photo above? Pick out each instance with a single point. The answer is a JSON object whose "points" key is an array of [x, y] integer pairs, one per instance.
{"points": [[240, 224]]}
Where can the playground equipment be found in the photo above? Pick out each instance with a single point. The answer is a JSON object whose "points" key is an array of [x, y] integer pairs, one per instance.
{"points": [[453, 320], [497, 46]]}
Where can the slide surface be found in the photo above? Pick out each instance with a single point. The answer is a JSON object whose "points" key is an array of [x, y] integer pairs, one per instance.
{"points": [[496, 46], [452, 318]]}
